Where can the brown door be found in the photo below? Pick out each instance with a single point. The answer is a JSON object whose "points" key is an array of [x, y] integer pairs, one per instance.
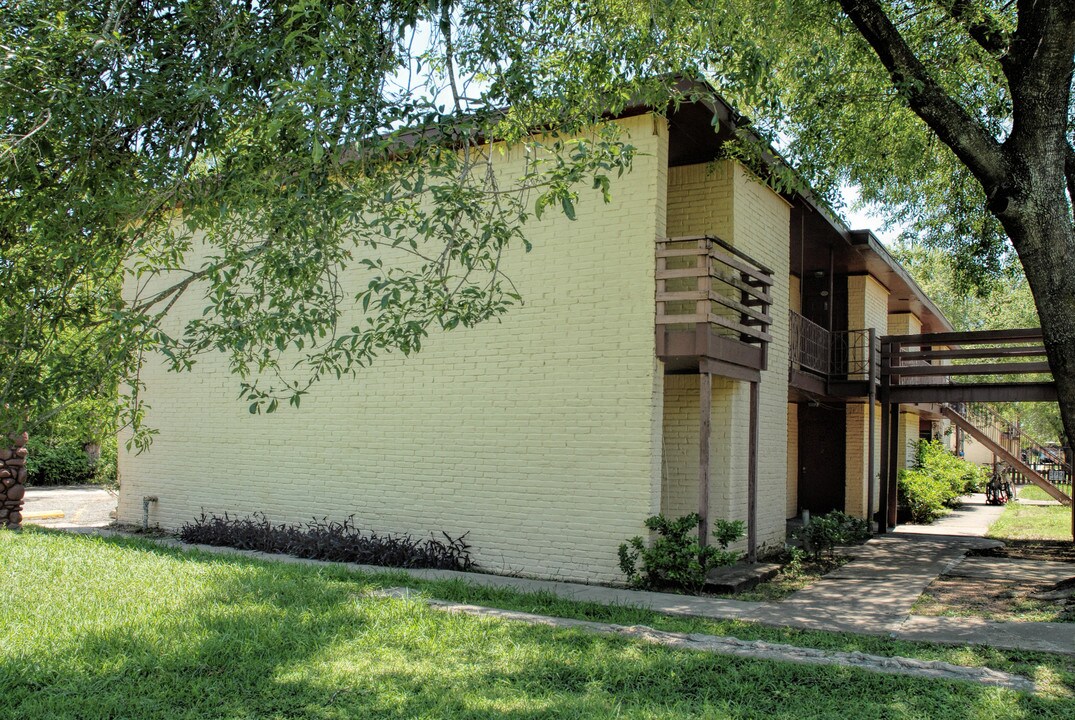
{"points": [[822, 439]]}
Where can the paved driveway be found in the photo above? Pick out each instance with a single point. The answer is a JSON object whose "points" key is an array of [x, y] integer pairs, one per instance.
{"points": [[82, 506]]}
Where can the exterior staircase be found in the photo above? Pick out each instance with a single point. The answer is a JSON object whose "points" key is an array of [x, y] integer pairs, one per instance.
{"points": [[973, 419]]}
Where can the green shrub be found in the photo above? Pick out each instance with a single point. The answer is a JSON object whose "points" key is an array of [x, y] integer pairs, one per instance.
{"points": [[937, 481], [56, 463], [824, 532], [675, 559], [922, 495]]}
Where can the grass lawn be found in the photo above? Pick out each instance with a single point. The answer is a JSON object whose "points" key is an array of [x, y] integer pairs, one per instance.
{"points": [[118, 628], [1033, 522], [1033, 492]]}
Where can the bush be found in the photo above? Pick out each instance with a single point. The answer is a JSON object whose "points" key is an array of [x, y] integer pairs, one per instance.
{"points": [[923, 497], [676, 560], [937, 482], [825, 532], [333, 541], [56, 463], [962, 477]]}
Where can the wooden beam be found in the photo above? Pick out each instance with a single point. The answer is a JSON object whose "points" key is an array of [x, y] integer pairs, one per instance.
{"points": [[882, 500], [813, 384], [1014, 368], [752, 476], [871, 403], [975, 392], [893, 469], [977, 337], [972, 353], [728, 370], [705, 424]]}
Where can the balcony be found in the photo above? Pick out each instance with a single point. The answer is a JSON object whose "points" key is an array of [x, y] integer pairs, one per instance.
{"points": [[712, 308], [825, 362]]}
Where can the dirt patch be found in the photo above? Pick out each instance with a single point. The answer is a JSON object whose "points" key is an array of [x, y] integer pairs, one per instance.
{"points": [[1057, 550], [797, 573], [995, 599], [1005, 599]]}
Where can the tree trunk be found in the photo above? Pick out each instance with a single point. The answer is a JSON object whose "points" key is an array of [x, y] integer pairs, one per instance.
{"points": [[1029, 178], [1042, 235]]}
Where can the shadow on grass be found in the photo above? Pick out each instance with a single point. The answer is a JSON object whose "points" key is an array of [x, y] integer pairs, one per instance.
{"points": [[230, 637]]}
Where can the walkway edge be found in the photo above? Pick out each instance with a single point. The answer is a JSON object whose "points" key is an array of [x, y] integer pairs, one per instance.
{"points": [[750, 649], [1056, 638]]}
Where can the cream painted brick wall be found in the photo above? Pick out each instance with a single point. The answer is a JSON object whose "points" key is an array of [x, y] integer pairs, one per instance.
{"points": [[539, 435], [792, 508], [904, 324], [907, 439], [679, 494], [723, 199], [795, 300], [867, 307]]}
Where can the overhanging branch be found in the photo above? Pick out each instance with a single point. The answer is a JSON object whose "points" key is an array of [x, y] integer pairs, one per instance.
{"points": [[967, 137], [980, 25]]}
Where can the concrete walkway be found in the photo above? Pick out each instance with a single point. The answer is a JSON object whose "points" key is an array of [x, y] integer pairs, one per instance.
{"points": [[871, 595], [875, 592], [971, 519]]}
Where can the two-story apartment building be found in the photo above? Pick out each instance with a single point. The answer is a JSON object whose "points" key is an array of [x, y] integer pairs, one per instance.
{"points": [[701, 344]]}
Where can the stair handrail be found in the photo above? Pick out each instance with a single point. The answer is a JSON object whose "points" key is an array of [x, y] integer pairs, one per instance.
{"points": [[1016, 431]]}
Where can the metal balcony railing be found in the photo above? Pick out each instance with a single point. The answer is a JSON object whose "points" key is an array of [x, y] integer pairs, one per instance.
{"points": [[810, 345]]}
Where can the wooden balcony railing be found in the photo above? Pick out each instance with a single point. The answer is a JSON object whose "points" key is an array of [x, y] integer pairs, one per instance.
{"points": [[712, 302], [978, 366]]}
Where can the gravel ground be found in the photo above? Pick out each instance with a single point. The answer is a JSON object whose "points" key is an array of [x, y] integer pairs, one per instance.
{"points": [[82, 505]]}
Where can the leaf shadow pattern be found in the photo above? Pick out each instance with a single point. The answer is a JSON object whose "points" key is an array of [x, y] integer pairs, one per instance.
{"points": [[227, 637]]}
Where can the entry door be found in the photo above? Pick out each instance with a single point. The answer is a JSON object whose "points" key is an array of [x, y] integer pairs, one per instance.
{"points": [[822, 441]]}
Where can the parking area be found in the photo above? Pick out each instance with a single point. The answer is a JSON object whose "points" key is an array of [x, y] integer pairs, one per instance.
{"points": [[69, 506]]}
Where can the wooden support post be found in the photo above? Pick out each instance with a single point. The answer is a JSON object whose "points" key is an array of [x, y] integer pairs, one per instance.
{"points": [[705, 422], [882, 512], [893, 454], [871, 456], [752, 476]]}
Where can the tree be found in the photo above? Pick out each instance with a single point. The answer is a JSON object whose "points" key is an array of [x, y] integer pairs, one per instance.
{"points": [[248, 154], [321, 128]]}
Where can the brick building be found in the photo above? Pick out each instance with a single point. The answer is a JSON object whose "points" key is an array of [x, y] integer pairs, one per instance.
{"points": [[550, 436]]}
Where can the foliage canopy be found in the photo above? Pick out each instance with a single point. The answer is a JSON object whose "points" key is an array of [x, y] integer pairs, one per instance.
{"points": [[248, 153]]}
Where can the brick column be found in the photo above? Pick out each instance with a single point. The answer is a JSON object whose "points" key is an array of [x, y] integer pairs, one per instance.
{"points": [[12, 479]]}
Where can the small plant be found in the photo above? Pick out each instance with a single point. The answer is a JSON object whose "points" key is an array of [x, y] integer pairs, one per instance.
{"points": [[327, 540], [825, 532], [796, 558], [675, 559]]}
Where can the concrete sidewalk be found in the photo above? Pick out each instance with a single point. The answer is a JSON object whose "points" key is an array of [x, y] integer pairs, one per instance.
{"points": [[871, 595], [972, 518]]}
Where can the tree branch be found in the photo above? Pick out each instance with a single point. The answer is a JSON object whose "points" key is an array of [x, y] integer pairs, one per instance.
{"points": [[983, 28], [967, 137]]}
